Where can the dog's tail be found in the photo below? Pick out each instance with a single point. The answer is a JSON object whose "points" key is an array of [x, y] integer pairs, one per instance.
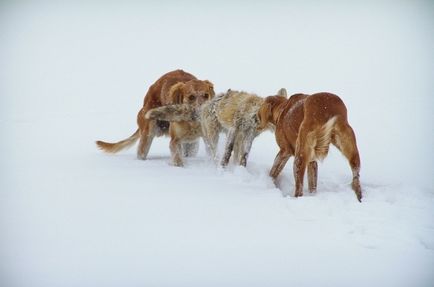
{"points": [[115, 147], [323, 139], [173, 113]]}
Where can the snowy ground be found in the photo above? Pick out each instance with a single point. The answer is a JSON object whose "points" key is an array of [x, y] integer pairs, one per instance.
{"points": [[72, 216]]}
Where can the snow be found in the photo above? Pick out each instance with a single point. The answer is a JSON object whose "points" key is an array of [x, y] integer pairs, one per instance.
{"points": [[73, 216]]}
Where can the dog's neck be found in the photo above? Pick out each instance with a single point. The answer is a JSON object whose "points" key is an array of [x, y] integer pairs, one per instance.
{"points": [[287, 107], [276, 111]]}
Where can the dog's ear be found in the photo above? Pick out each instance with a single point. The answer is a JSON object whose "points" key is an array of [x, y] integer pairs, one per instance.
{"points": [[211, 89], [264, 115], [282, 92], [176, 93]]}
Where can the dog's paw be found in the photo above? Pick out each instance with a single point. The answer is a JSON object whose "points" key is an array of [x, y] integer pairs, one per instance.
{"points": [[178, 163], [141, 156], [298, 193]]}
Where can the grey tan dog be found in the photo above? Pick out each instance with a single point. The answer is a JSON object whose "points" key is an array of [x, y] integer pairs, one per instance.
{"points": [[233, 112]]}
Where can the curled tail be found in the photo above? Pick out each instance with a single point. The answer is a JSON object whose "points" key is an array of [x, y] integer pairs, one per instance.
{"points": [[173, 113], [115, 147]]}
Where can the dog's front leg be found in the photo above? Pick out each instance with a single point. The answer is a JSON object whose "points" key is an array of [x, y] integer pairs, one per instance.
{"points": [[211, 146], [190, 149], [279, 163], [210, 136], [176, 151]]}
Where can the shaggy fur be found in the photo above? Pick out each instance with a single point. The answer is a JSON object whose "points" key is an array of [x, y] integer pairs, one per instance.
{"points": [[176, 87], [305, 126], [233, 112]]}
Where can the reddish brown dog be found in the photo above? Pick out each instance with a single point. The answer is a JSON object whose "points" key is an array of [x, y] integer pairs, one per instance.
{"points": [[305, 126], [176, 87]]}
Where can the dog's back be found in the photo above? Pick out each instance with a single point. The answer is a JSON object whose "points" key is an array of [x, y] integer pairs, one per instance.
{"points": [[236, 106]]}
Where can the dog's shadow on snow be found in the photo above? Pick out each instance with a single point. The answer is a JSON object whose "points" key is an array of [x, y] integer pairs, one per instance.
{"points": [[158, 157]]}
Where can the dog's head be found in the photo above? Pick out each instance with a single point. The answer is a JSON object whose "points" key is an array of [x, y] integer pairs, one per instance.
{"points": [[193, 92], [265, 113]]}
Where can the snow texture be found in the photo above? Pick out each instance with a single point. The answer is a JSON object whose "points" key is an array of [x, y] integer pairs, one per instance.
{"points": [[70, 215]]}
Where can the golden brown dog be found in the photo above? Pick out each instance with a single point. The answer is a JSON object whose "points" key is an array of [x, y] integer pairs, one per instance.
{"points": [[175, 87], [305, 127]]}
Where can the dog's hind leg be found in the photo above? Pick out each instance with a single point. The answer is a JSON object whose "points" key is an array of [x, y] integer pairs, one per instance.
{"points": [[190, 149], [303, 151], [238, 147], [312, 175], [246, 145], [345, 140], [147, 133], [299, 170], [229, 146]]}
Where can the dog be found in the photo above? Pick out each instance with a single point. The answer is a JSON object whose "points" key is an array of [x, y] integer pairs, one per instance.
{"points": [[175, 87], [233, 112], [305, 125]]}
